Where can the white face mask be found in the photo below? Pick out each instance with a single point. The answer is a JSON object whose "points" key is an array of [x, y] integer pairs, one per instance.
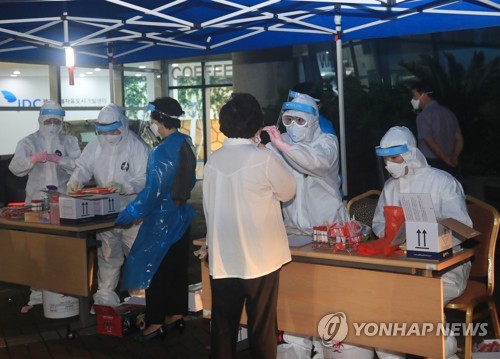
{"points": [[50, 129], [154, 128], [109, 139], [296, 133], [257, 140], [415, 103], [396, 169]]}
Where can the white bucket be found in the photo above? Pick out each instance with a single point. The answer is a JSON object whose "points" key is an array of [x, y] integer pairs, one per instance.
{"points": [[57, 305]]}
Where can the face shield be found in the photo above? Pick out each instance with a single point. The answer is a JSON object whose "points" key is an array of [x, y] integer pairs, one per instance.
{"points": [[300, 117], [111, 125], [50, 118], [399, 140]]}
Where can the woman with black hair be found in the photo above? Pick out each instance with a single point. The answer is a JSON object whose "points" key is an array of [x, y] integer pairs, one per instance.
{"points": [[247, 243], [158, 261]]}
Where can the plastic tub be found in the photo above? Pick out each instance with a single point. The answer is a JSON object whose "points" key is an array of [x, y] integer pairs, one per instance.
{"points": [[346, 351], [57, 305]]}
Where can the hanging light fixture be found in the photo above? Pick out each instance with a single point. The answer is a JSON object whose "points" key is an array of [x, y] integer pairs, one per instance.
{"points": [[70, 64]]}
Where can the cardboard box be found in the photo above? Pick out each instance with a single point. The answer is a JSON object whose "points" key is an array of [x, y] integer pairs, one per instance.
{"points": [[426, 236], [106, 205], [195, 303], [121, 320], [76, 210]]}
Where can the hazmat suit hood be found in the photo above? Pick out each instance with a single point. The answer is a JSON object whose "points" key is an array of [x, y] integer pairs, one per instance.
{"points": [[50, 110], [111, 117], [400, 140], [303, 106]]}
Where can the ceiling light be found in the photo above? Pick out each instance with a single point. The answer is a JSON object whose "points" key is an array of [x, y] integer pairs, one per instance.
{"points": [[97, 69], [142, 67], [16, 72], [89, 72]]}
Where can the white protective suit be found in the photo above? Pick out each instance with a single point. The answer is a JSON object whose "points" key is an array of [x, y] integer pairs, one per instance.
{"points": [[449, 202], [50, 140], [314, 161], [121, 166]]}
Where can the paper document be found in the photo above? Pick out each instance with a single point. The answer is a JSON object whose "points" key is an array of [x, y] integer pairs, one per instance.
{"points": [[418, 207], [298, 241]]}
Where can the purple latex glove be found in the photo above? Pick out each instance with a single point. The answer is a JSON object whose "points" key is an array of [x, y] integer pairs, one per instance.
{"points": [[276, 139], [53, 158], [38, 157]]}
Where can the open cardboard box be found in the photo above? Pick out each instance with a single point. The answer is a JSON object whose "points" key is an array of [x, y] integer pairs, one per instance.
{"points": [[427, 237]]}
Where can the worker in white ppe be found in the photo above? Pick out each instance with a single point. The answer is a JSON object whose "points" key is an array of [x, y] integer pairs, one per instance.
{"points": [[313, 158], [48, 158], [117, 160], [410, 173]]}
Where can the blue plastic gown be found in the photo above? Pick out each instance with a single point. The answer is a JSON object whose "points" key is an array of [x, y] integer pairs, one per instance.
{"points": [[164, 223]]}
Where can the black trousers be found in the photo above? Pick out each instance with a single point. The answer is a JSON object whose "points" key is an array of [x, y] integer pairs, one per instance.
{"points": [[168, 292], [260, 297]]}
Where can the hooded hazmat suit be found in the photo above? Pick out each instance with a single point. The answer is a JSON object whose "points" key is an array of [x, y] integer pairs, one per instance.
{"points": [[447, 196], [116, 161], [313, 158], [46, 156]]}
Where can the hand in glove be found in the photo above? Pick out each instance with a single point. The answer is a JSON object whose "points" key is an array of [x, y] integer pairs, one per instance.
{"points": [[38, 157], [124, 218], [53, 158], [73, 186], [276, 140], [116, 187]]}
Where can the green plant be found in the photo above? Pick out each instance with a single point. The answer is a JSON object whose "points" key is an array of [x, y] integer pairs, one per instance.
{"points": [[135, 94]]}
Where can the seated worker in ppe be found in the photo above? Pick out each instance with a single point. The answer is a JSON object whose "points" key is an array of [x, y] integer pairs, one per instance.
{"points": [[159, 259], [117, 160], [48, 158], [411, 174], [313, 158]]}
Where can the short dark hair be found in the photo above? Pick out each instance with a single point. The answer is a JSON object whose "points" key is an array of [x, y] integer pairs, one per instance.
{"points": [[241, 116], [165, 108], [422, 87]]}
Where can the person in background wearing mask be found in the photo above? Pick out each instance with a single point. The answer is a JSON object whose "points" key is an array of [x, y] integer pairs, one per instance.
{"points": [[117, 160], [159, 258], [439, 136], [247, 244], [313, 158], [48, 158], [411, 174]]}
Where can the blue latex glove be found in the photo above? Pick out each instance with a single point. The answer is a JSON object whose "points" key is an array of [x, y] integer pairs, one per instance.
{"points": [[124, 218]]}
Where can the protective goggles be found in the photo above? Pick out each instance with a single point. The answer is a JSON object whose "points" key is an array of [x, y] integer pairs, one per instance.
{"points": [[391, 151], [101, 127], [52, 111], [295, 106]]}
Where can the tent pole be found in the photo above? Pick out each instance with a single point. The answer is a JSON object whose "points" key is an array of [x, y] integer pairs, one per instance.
{"points": [[340, 86], [111, 73]]}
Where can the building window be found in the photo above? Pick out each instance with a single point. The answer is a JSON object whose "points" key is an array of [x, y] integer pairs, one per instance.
{"points": [[201, 89]]}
